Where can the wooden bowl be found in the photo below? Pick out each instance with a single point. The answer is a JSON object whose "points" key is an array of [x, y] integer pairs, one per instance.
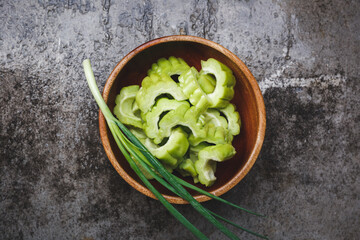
{"points": [[248, 100]]}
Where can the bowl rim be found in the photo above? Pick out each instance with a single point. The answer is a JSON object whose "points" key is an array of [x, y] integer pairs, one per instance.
{"points": [[259, 103]]}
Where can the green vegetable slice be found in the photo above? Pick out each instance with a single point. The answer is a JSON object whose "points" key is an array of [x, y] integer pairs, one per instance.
{"points": [[185, 116], [225, 81], [213, 134], [233, 119], [151, 118], [187, 168], [170, 67], [215, 127], [124, 108], [154, 86], [207, 83], [173, 151], [206, 165], [213, 116], [191, 88]]}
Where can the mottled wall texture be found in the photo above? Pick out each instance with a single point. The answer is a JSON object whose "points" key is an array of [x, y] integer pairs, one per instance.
{"points": [[55, 179]]}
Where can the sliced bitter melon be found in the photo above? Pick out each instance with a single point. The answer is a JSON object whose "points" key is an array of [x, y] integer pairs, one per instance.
{"points": [[185, 116], [206, 165], [187, 124], [173, 151], [233, 119], [187, 168], [216, 128], [170, 67], [124, 108], [225, 82], [207, 83], [152, 118], [188, 82], [154, 86]]}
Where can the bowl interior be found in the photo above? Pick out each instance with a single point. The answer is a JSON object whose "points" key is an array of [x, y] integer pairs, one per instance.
{"points": [[228, 173]]}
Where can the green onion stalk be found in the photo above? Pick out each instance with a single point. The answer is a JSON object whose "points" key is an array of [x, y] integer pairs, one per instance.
{"points": [[138, 155]]}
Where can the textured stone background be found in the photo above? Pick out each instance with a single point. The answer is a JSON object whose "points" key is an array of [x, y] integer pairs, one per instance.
{"points": [[56, 181]]}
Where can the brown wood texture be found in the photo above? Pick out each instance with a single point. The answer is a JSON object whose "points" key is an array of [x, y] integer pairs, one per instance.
{"points": [[248, 100]]}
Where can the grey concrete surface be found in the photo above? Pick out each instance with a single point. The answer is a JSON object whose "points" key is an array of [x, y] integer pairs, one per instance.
{"points": [[55, 179]]}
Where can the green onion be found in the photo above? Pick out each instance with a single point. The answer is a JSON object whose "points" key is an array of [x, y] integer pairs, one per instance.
{"points": [[136, 153], [168, 186]]}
